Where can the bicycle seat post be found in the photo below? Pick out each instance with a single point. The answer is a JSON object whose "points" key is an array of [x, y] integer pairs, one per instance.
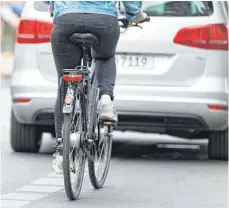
{"points": [[86, 54]]}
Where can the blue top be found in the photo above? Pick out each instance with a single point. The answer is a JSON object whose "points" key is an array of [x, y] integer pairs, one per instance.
{"points": [[132, 8]]}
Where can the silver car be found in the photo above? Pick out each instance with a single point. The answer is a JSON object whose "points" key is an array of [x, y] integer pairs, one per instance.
{"points": [[171, 75]]}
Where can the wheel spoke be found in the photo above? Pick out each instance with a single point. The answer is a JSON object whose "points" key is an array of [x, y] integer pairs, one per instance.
{"points": [[78, 123]]}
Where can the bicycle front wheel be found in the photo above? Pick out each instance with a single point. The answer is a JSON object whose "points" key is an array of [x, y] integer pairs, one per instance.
{"points": [[101, 151], [73, 156]]}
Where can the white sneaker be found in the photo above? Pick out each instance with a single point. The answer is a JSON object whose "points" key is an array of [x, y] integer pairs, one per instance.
{"points": [[106, 109], [57, 163]]}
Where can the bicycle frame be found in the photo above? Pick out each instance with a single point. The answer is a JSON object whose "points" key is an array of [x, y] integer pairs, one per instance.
{"points": [[86, 88]]}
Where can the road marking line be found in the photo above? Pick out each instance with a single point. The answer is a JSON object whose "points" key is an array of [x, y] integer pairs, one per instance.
{"points": [[36, 190], [54, 175], [13, 203], [49, 181], [40, 189], [23, 196]]}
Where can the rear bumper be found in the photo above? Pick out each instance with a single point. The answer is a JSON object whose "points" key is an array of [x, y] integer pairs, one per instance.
{"points": [[40, 109], [142, 110], [174, 114]]}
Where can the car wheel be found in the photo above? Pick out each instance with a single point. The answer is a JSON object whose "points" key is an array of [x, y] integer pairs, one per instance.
{"points": [[218, 145], [24, 137]]}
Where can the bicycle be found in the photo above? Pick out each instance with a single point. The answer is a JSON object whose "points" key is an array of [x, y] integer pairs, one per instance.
{"points": [[92, 137]]}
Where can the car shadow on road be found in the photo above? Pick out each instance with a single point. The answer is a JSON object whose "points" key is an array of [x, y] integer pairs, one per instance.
{"points": [[156, 151], [143, 149], [150, 150]]}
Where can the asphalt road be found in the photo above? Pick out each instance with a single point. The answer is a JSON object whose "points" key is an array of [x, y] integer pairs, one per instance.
{"points": [[144, 173]]}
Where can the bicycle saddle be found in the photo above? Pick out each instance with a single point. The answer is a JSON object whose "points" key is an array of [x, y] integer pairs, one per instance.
{"points": [[83, 38]]}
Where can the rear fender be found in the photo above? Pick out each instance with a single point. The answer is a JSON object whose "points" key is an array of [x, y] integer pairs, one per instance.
{"points": [[69, 100]]}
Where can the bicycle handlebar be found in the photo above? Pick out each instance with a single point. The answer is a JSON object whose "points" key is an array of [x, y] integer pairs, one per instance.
{"points": [[126, 23]]}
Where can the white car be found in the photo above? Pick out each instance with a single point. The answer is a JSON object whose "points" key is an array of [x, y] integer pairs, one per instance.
{"points": [[172, 75]]}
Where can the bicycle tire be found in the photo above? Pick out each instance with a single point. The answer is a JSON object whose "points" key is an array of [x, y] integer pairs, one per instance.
{"points": [[72, 192], [96, 182]]}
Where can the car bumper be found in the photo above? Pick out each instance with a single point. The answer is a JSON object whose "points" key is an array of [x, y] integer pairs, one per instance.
{"points": [[147, 107]]}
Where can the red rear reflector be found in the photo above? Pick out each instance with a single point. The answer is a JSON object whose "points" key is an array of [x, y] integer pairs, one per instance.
{"points": [[74, 78], [217, 107], [210, 37], [21, 100], [33, 31]]}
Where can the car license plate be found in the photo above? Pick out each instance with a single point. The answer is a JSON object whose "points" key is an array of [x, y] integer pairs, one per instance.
{"points": [[125, 62]]}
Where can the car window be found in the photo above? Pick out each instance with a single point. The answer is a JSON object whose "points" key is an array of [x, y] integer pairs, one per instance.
{"points": [[178, 8], [164, 8]]}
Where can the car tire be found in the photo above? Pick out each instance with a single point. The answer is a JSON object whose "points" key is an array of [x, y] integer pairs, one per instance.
{"points": [[218, 145], [24, 137]]}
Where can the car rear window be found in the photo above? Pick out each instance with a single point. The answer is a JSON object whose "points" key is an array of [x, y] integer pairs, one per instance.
{"points": [[165, 8], [178, 8]]}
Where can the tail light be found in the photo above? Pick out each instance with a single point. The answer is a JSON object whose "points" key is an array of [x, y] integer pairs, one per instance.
{"points": [[21, 100], [217, 107], [210, 37], [34, 31], [72, 78]]}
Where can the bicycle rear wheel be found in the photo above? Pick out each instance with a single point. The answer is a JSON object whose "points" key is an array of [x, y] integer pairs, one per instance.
{"points": [[73, 156], [101, 151]]}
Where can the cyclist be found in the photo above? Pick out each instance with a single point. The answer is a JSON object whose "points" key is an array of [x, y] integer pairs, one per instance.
{"points": [[100, 19]]}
